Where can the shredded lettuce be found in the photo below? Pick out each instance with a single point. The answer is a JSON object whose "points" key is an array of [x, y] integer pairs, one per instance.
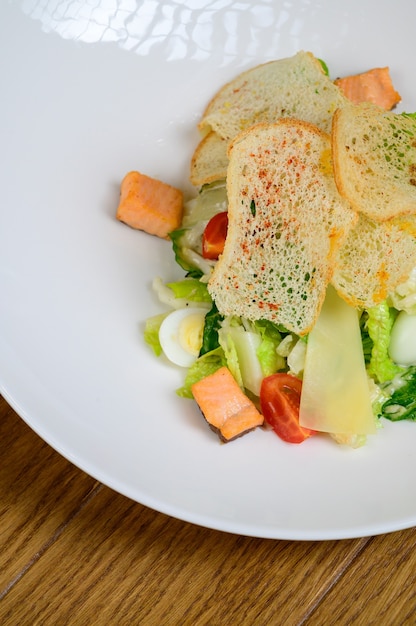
{"points": [[190, 289], [402, 403], [250, 349], [324, 67], [241, 348], [379, 324], [365, 338], [270, 360], [212, 199], [183, 257], [187, 240], [378, 396], [182, 293], [412, 115], [151, 332], [227, 342], [296, 358], [210, 335]]}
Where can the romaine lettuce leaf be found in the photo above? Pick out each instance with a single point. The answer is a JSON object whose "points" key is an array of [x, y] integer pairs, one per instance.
{"points": [[412, 115], [241, 351], [212, 199], [190, 289], [227, 343], [187, 240], [402, 403], [210, 335], [179, 250], [250, 350], [379, 324], [151, 332], [270, 360], [170, 293], [365, 338], [324, 67]]}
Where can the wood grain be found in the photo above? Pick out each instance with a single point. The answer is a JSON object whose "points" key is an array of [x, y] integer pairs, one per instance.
{"points": [[75, 552], [40, 492], [379, 587], [135, 564]]}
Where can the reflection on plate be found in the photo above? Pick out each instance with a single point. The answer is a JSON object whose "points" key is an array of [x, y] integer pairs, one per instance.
{"points": [[91, 93]]}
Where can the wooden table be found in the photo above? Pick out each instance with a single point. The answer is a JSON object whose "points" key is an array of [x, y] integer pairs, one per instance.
{"points": [[73, 551]]}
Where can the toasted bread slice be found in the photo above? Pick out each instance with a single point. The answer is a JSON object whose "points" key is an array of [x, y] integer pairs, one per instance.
{"points": [[374, 154], [295, 87], [286, 223], [375, 258], [209, 161]]}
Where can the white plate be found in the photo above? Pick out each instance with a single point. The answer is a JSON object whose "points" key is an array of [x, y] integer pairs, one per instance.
{"points": [[88, 93]]}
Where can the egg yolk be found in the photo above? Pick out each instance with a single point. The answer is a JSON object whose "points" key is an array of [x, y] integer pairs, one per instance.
{"points": [[190, 333]]}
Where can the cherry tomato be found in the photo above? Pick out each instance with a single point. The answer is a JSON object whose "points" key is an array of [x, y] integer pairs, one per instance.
{"points": [[213, 239], [280, 401]]}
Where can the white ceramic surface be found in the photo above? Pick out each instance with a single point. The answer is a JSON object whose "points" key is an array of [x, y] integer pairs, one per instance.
{"points": [[91, 90]]}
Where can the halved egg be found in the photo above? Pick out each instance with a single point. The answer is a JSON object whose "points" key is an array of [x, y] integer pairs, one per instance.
{"points": [[180, 335], [402, 348]]}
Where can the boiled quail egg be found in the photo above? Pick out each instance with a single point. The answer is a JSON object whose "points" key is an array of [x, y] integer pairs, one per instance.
{"points": [[180, 335], [402, 347]]}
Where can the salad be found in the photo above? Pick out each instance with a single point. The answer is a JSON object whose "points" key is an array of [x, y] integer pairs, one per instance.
{"points": [[246, 373]]}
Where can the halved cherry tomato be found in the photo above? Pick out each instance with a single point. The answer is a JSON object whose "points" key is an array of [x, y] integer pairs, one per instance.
{"points": [[280, 401], [214, 236]]}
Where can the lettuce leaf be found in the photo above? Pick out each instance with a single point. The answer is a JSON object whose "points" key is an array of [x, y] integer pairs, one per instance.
{"points": [[151, 332], [324, 67], [212, 199], [181, 259], [379, 324], [190, 289], [402, 403], [270, 360], [412, 115], [250, 349], [227, 342], [210, 335], [365, 338], [187, 240]]}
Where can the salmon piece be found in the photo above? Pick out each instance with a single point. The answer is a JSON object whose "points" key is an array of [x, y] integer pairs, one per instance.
{"points": [[149, 204], [228, 411], [372, 86]]}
